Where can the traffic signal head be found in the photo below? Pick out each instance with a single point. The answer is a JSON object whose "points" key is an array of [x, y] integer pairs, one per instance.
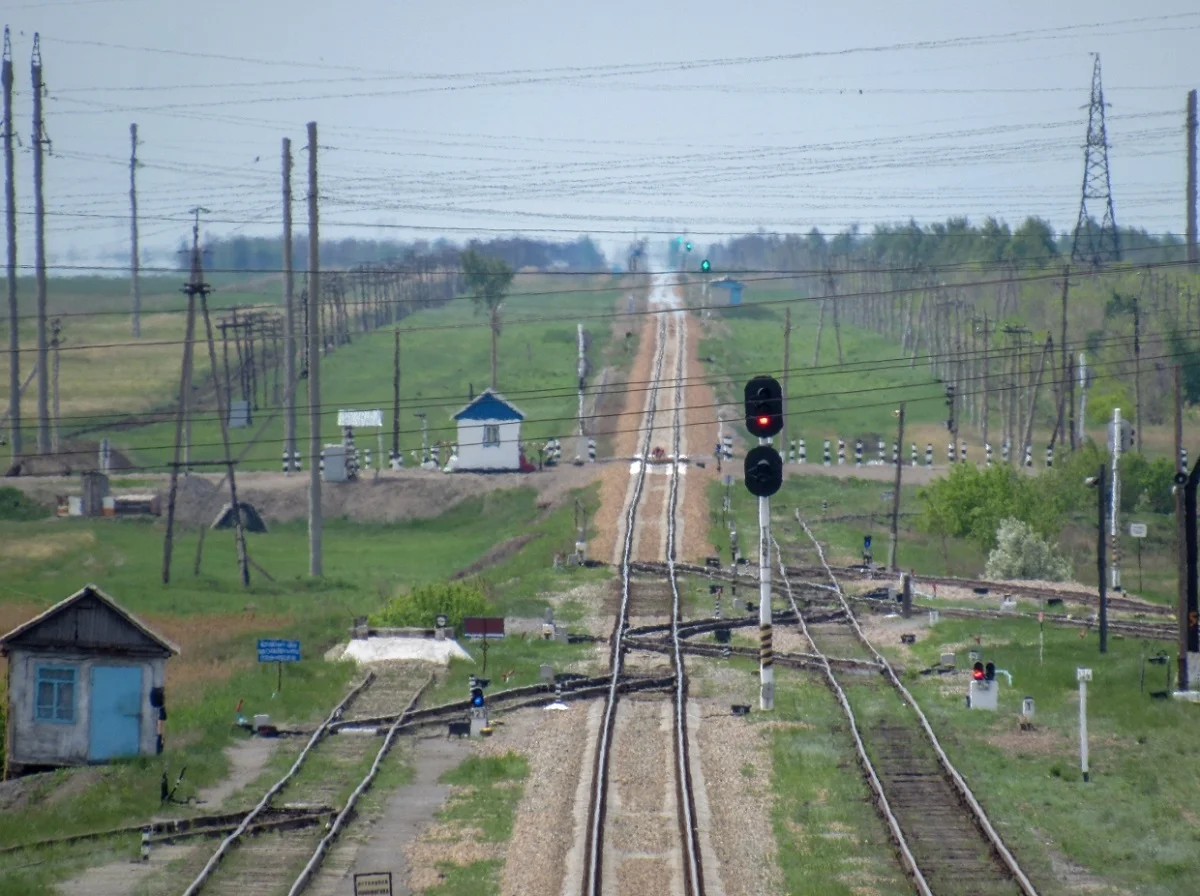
{"points": [[764, 471], [477, 697], [989, 671], [764, 406], [977, 672], [866, 542], [705, 266]]}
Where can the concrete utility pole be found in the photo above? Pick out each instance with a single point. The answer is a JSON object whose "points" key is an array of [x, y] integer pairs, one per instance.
{"points": [[39, 241], [185, 386], [1066, 396], [1192, 255], [895, 533], [1181, 579], [55, 342], [10, 221], [315, 522], [396, 403], [1083, 384], [987, 390], [289, 318], [495, 337], [134, 260], [1115, 499]]}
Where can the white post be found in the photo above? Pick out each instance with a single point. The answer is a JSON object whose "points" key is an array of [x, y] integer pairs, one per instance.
{"points": [[1114, 560], [1083, 676], [766, 658]]}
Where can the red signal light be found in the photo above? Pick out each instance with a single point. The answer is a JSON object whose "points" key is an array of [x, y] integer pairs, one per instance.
{"points": [[977, 672], [764, 421]]}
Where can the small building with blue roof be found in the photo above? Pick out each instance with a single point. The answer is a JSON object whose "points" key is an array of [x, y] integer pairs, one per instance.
{"points": [[489, 434]]}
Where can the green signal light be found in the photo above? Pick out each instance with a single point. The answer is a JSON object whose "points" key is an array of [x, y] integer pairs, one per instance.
{"points": [[688, 246], [679, 239], [705, 266]]}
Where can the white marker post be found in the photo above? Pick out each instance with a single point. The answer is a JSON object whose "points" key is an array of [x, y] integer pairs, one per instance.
{"points": [[1083, 676]]}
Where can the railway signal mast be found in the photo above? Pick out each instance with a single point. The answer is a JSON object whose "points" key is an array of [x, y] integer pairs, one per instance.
{"points": [[764, 476]]}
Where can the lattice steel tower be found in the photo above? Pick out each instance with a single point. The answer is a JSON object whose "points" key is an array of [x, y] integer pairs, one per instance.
{"points": [[1095, 245]]}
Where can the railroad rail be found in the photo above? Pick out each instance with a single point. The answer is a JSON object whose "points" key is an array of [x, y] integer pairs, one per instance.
{"points": [[931, 844], [685, 801], [281, 858]]}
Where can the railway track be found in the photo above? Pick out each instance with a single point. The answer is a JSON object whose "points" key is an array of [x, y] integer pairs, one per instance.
{"points": [[945, 840], [631, 744], [267, 863]]}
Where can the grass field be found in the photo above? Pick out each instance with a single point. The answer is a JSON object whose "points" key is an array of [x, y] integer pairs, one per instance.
{"points": [[444, 355], [216, 623], [1133, 824]]}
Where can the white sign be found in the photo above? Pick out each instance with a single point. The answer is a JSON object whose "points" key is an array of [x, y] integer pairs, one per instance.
{"points": [[1083, 674], [360, 418], [1137, 530]]}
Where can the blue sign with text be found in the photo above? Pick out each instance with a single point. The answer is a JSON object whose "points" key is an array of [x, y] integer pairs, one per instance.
{"points": [[273, 650]]}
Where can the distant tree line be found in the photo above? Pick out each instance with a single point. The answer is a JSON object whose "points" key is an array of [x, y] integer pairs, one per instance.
{"points": [[1034, 243], [248, 254]]}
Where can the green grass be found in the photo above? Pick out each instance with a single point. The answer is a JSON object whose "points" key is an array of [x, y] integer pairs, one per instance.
{"points": [[1133, 824], [442, 360], [217, 623], [476, 879], [829, 837]]}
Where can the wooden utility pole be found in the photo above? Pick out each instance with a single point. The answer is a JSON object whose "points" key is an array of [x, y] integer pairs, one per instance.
{"points": [[197, 286], [185, 386], [396, 399], [1137, 372], [787, 351], [895, 533], [987, 391], [315, 522], [55, 342], [289, 317], [134, 260], [10, 221], [1192, 255], [39, 241], [495, 338]]}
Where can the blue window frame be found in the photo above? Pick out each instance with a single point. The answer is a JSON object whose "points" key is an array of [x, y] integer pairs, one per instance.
{"points": [[54, 699], [491, 435]]}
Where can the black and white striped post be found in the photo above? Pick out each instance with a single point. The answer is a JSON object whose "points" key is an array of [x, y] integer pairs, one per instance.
{"points": [[950, 452], [803, 452], [895, 453], [881, 447], [987, 453], [827, 462], [322, 464], [841, 452], [914, 453], [145, 844], [962, 452], [557, 691], [395, 461], [1183, 459], [591, 451], [1049, 456], [287, 468], [717, 606], [858, 448], [369, 467], [1029, 455], [1004, 451], [929, 454], [792, 451], [434, 454], [726, 652], [729, 446]]}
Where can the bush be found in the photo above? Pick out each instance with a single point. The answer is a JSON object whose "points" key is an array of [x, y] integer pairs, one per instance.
{"points": [[421, 606], [1151, 479], [971, 502], [14, 505], [1021, 554]]}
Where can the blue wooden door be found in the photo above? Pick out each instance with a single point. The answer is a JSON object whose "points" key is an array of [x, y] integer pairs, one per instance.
{"points": [[116, 714]]}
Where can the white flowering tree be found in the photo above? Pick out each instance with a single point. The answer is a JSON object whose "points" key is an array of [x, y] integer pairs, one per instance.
{"points": [[1021, 554]]}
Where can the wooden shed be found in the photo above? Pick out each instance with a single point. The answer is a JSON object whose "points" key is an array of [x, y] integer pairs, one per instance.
{"points": [[85, 684]]}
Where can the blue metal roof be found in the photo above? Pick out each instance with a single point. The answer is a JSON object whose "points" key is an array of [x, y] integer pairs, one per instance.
{"points": [[489, 405]]}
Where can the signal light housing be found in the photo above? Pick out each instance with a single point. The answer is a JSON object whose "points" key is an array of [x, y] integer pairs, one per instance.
{"points": [[989, 671], [477, 699], [763, 470], [764, 406]]}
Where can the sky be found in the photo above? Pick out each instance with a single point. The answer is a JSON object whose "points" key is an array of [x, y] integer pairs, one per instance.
{"points": [[555, 119]]}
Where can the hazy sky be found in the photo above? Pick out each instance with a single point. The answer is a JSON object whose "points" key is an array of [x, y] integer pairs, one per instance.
{"points": [[536, 117]]}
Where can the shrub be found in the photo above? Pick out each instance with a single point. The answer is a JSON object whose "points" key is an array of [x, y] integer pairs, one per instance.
{"points": [[14, 505], [421, 606], [1021, 554]]}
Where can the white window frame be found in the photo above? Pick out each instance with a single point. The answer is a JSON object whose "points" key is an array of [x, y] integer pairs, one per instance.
{"points": [[491, 435]]}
